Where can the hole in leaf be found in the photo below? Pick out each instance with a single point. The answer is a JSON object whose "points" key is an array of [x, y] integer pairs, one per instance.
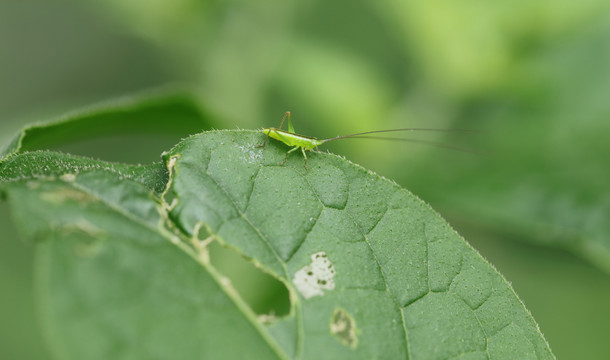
{"points": [[262, 292]]}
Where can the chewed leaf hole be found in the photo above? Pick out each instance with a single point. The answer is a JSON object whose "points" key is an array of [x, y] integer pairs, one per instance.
{"points": [[264, 294]]}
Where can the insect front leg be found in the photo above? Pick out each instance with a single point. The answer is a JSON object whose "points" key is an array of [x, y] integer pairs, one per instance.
{"points": [[266, 138], [288, 152]]}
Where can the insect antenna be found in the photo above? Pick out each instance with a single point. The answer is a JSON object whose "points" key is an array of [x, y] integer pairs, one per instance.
{"points": [[360, 135], [367, 135], [415, 141]]}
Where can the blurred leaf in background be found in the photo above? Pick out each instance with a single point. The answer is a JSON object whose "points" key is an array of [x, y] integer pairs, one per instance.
{"points": [[55, 56], [532, 75]]}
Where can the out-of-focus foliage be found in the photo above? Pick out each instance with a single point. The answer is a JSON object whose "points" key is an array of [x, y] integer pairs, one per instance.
{"points": [[532, 75], [524, 72]]}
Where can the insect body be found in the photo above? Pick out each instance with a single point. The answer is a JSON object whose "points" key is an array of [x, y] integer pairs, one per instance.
{"points": [[290, 138], [306, 143]]}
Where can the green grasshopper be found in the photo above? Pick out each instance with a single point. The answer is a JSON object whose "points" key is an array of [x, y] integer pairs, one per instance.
{"points": [[306, 143]]}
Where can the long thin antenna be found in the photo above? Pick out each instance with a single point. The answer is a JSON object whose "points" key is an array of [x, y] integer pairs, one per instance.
{"points": [[401, 129], [416, 141]]}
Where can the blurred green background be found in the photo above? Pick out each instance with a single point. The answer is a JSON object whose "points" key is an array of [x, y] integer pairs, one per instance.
{"points": [[532, 76]]}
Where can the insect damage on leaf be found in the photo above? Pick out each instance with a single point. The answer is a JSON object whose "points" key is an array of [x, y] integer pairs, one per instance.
{"points": [[65, 194], [201, 245], [87, 247], [83, 226], [343, 328], [169, 199], [312, 279], [68, 177], [268, 305]]}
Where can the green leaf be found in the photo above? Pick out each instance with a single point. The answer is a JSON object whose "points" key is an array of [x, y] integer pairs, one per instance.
{"points": [[409, 284], [155, 120], [124, 272], [48, 164], [114, 284]]}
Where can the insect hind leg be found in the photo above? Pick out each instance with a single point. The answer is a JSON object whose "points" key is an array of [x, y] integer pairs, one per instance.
{"points": [[286, 115]]}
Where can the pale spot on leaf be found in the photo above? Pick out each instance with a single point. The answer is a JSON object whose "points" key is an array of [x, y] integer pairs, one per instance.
{"points": [[316, 277], [343, 328]]}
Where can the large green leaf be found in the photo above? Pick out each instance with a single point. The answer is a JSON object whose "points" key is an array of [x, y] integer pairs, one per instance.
{"points": [[372, 271], [410, 284]]}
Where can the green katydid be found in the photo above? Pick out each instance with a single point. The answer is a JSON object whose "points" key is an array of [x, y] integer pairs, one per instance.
{"points": [[306, 143]]}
